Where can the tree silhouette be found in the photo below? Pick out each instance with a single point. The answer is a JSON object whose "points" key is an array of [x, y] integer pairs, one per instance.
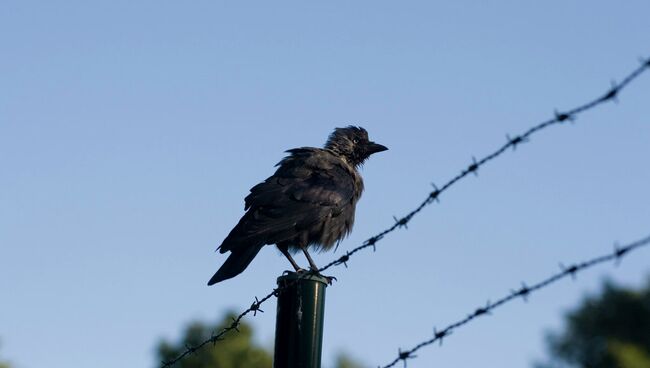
{"points": [[236, 350], [611, 329]]}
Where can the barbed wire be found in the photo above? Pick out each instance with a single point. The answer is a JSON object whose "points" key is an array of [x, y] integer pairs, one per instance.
{"points": [[558, 118], [523, 292]]}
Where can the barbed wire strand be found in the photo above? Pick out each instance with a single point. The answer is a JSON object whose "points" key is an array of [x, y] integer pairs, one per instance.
{"points": [[558, 118], [523, 292]]}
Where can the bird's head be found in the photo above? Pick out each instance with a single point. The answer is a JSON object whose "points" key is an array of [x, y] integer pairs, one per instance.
{"points": [[352, 143]]}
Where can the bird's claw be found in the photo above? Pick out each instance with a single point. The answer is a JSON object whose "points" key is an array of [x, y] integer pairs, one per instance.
{"points": [[329, 279], [312, 271], [300, 270]]}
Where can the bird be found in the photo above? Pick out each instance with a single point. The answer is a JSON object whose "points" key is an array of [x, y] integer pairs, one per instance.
{"points": [[309, 202]]}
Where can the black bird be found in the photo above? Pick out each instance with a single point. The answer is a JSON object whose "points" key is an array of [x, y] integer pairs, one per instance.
{"points": [[309, 201]]}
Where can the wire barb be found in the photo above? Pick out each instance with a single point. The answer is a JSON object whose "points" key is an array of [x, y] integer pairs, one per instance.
{"points": [[433, 196], [517, 140], [482, 310], [619, 252], [439, 335], [563, 116], [522, 292], [371, 242], [344, 259], [571, 270], [612, 93], [404, 355], [255, 307], [403, 222], [473, 168]]}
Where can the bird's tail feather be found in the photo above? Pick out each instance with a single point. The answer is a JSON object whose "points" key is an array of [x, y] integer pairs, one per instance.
{"points": [[236, 263]]}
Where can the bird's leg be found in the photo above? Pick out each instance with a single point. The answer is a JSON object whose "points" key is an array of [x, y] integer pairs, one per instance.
{"points": [[312, 265], [285, 251], [314, 268]]}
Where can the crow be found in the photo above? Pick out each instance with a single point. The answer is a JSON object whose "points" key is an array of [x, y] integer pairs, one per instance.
{"points": [[308, 202]]}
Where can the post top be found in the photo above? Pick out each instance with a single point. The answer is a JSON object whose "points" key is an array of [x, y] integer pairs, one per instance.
{"points": [[302, 276]]}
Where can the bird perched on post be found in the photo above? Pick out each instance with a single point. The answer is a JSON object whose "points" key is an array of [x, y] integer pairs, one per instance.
{"points": [[308, 202]]}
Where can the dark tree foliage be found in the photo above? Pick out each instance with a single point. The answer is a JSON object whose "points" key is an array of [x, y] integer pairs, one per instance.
{"points": [[608, 330], [344, 361], [235, 351]]}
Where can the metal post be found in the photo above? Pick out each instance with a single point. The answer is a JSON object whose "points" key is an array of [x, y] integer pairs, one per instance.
{"points": [[299, 322]]}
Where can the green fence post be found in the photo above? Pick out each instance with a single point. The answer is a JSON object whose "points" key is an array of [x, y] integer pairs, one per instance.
{"points": [[299, 322]]}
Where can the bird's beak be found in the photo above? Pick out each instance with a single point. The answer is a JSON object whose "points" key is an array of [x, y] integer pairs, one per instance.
{"points": [[374, 148]]}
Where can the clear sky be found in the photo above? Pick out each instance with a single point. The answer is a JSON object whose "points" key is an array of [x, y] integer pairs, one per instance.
{"points": [[130, 131]]}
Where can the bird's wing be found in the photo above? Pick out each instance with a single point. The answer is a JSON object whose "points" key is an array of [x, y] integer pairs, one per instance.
{"points": [[309, 185]]}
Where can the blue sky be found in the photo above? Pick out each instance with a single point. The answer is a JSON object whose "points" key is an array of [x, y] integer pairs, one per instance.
{"points": [[131, 131]]}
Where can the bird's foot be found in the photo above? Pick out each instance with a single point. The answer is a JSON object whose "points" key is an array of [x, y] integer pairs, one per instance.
{"points": [[329, 279], [311, 271], [298, 270]]}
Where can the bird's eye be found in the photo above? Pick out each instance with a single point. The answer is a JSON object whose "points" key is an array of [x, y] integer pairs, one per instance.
{"points": [[355, 141]]}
